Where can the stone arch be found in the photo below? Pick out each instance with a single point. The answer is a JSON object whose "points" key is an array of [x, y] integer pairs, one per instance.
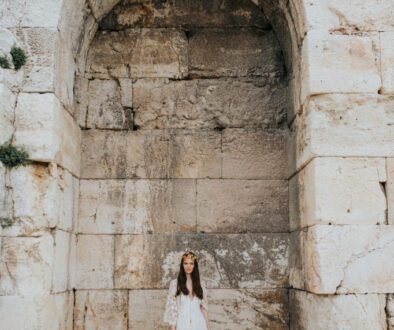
{"points": [[195, 185]]}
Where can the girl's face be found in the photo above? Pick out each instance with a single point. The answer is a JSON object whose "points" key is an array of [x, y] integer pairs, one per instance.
{"points": [[188, 265]]}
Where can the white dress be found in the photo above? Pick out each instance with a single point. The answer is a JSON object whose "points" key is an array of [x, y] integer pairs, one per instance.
{"points": [[183, 312]]}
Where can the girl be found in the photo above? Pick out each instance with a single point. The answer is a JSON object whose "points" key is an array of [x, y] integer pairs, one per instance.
{"points": [[187, 305]]}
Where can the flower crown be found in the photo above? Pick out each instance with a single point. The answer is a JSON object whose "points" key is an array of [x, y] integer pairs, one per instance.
{"points": [[189, 254]]}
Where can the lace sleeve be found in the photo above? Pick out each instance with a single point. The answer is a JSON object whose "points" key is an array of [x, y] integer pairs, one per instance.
{"points": [[204, 302], [171, 311]]}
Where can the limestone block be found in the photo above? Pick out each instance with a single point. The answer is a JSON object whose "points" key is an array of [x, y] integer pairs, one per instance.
{"points": [[40, 46], [81, 99], [338, 64], [228, 309], [349, 259], [209, 103], [72, 264], [387, 61], [345, 125], [36, 196], [60, 275], [105, 108], [225, 260], [44, 312], [349, 16], [184, 14], [138, 53], [26, 265], [390, 190], [137, 206], [310, 311], [218, 53], [95, 255], [7, 105], [151, 154], [101, 310], [47, 131], [254, 154], [30, 13], [7, 40], [69, 206], [339, 191], [233, 206]]}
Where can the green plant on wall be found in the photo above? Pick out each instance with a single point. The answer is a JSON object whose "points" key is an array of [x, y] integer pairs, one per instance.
{"points": [[4, 62], [5, 222], [18, 57], [12, 156]]}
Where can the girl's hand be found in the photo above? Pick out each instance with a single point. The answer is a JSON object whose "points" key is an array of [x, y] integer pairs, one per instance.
{"points": [[173, 327]]}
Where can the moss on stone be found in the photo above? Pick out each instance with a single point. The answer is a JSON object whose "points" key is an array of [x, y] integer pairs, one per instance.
{"points": [[4, 62], [18, 57], [12, 156]]}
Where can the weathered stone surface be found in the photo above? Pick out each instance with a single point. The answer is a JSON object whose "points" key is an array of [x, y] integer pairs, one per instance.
{"points": [[235, 52], [215, 13], [126, 92], [60, 275], [105, 108], [101, 8], [338, 64], [349, 16], [81, 100], [151, 154], [39, 45], [310, 311], [26, 265], [69, 188], [29, 13], [390, 190], [390, 311], [138, 53], [209, 103], [228, 309], [226, 260], [387, 61], [7, 104], [101, 310], [234, 206], [296, 259], [254, 154], [7, 40], [339, 191], [137, 206], [37, 312], [345, 125], [47, 132], [95, 255], [349, 259], [6, 202]]}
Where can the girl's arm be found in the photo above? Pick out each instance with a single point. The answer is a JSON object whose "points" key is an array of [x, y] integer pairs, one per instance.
{"points": [[204, 304], [205, 313]]}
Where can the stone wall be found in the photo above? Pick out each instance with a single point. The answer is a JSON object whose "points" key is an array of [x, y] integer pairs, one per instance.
{"points": [[339, 60], [184, 142]]}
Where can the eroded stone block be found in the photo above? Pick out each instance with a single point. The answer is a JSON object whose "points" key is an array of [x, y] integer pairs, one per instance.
{"points": [[225, 260], [339, 191], [137, 206], [95, 255], [26, 265], [60, 276], [151, 154], [219, 53], [310, 311], [148, 13], [254, 154], [387, 61], [338, 64], [7, 104], [345, 125], [209, 103], [349, 259], [105, 108], [234, 206], [101, 310], [38, 311], [138, 53]]}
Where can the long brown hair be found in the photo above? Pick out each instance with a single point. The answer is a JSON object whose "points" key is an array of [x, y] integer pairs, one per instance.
{"points": [[195, 275]]}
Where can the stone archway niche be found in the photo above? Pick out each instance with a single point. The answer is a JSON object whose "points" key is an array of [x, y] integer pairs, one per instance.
{"points": [[183, 110]]}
